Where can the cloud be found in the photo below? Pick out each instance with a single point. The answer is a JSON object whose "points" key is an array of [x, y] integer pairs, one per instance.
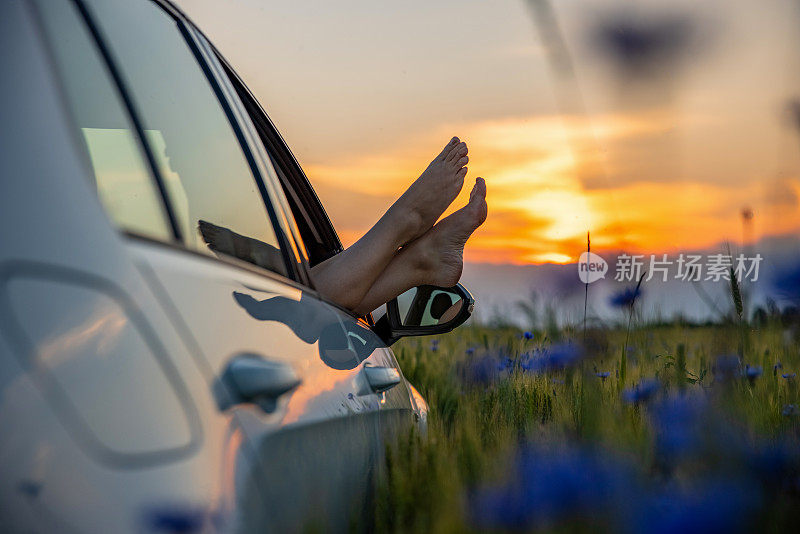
{"points": [[782, 192], [340, 202], [540, 205]]}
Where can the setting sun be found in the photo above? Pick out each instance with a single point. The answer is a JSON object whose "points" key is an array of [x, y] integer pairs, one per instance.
{"points": [[541, 208]]}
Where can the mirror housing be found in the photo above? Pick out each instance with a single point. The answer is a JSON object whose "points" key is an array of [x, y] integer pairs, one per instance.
{"points": [[423, 311]]}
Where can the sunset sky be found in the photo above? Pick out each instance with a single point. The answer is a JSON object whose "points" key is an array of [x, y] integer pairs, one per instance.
{"points": [[650, 124]]}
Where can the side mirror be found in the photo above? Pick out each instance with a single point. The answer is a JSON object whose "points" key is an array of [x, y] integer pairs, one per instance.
{"points": [[425, 310]]}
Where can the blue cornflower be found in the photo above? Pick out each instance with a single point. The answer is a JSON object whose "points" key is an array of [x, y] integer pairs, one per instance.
{"points": [[717, 505], [602, 375], [486, 368], [753, 372], [175, 517], [789, 410], [547, 487], [481, 370], [470, 351], [677, 425], [641, 392], [625, 298], [527, 335], [505, 364], [526, 360], [726, 367], [553, 358], [775, 368], [789, 376], [434, 345]]}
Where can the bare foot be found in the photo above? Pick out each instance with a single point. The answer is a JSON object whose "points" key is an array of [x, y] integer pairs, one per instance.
{"points": [[423, 203], [439, 253]]}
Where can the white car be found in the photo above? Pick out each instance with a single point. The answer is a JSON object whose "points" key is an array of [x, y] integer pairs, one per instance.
{"points": [[165, 363]]}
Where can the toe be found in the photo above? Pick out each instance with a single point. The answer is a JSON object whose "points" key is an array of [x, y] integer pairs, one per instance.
{"points": [[459, 150], [447, 148], [479, 189], [477, 200], [478, 192]]}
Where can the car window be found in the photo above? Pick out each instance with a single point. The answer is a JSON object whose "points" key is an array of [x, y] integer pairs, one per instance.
{"points": [[211, 188], [121, 176]]}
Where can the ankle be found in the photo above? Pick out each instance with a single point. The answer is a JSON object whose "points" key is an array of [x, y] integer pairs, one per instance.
{"points": [[404, 224], [423, 262]]}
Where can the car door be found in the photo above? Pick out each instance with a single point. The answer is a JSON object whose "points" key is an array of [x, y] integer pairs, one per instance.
{"points": [[110, 422], [236, 279], [401, 405]]}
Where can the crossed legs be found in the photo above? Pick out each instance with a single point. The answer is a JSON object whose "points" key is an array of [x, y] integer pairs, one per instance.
{"points": [[406, 248]]}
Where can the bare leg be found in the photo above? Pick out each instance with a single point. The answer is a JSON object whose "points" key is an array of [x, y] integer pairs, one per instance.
{"points": [[346, 277], [436, 258]]}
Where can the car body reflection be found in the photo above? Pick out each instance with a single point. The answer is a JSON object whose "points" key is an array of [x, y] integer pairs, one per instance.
{"points": [[343, 342]]}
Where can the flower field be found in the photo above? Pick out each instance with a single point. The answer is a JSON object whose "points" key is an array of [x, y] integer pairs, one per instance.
{"points": [[635, 428]]}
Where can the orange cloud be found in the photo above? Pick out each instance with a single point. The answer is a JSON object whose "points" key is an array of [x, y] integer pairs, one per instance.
{"points": [[550, 180]]}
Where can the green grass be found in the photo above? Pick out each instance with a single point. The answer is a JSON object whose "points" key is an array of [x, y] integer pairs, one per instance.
{"points": [[474, 430]]}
